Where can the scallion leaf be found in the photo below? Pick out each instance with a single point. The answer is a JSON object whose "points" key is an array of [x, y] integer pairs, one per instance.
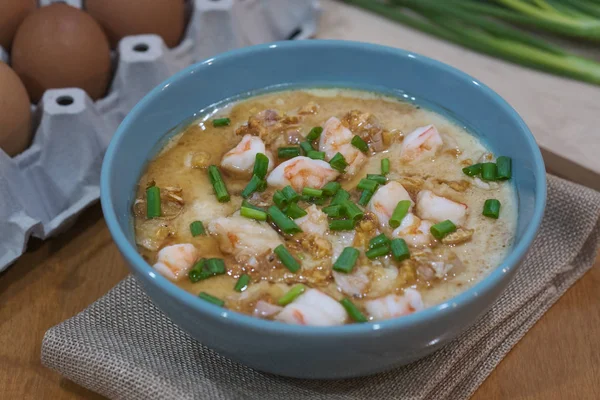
{"points": [[314, 133], [491, 208], [400, 250], [290, 194], [153, 205], [353, 311], [286, 258], [253, 214], [197, 228], [312, 192], [489, 171], [379, 240], [282, 221], [316, 155], [291, 295], [341, 225], [472, 170], [294, 211], [218, 184], [286, 153], [346, 261], [385, 166], [338, 162], [504, 168], [211, 299], [377, 251], [221, 122], [359, 144], [331, 188], [367, 184], [377, 178], [441, 229], [399, 213], [242, 283], [261, 165]]}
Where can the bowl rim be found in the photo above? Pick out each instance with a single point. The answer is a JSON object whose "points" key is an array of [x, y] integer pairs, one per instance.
{"points": [[141, 267]]}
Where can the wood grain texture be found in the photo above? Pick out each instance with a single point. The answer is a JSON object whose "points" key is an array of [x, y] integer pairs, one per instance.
{"points": [[558, 359]]}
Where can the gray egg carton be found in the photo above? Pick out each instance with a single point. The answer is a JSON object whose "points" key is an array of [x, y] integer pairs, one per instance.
{"points": [[43, 189]]}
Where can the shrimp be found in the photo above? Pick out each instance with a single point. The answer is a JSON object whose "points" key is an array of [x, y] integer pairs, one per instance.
{"points": [[385, 200], [422, 142], [438, 208], [315, 221], [414, 231], [241, 158], [244, 238], [176, 260], [353, 284], [265, 310], [394, 305], [313, 308], [301, 172], [335, 139]]}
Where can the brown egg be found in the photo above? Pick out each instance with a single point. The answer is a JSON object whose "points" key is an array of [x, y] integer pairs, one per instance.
{"points": [[119, 18], [15, 114], [61, 46], [12, 12]]}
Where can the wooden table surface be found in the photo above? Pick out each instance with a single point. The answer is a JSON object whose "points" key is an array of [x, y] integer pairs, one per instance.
{"points": [[558, 359]]}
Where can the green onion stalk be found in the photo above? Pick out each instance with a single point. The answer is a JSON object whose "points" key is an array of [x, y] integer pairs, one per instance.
{"points": [[485, 27]]}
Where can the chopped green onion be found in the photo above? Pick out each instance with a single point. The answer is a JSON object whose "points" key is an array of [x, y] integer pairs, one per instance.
{"points": [[252, 186], [489, 171], [504, 166], [211, 299], [399, 213], [319, 201], [441, 229], [197, 228], [346, 260], [196, 272], [286, 258], [221, 122], [261, 165], [153, 206], [400, 250], [314, 133], [331, 188], [365, 197], [353, 311], [316, 155], [291, 295], [280, 200], [378, 251], [472, 170], [385, 166], [294, 211], [286, 153], [205, 269], [491, 208], [333, 211], [338, 162], [247, 204], [312, 192], [282, 221], [377, 178], [367, 184], [306, 147], [340, 197], [341, 225], [215, 266], [359, 144], [352, 210], [218, 184], [253, 214], [290, 194], [242, 283], [379, 240]]}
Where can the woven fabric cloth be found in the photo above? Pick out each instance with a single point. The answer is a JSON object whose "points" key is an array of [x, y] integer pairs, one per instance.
{"points": [[123, 347]]}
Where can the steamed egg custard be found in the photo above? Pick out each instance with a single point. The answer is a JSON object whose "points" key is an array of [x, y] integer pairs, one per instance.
{"points": [[325, 207]]}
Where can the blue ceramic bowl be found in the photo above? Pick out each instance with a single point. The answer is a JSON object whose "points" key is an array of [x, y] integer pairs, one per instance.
{"points": [[317, 352]]}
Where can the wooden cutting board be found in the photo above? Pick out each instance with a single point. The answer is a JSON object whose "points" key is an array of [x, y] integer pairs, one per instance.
{"points": [[563, 114]]}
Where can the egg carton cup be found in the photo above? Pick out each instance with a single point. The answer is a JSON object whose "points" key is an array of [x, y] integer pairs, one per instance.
{"points": [[43, 189]]}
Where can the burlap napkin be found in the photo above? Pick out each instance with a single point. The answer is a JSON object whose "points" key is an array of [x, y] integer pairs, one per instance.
{"points": [[123, 347]]}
